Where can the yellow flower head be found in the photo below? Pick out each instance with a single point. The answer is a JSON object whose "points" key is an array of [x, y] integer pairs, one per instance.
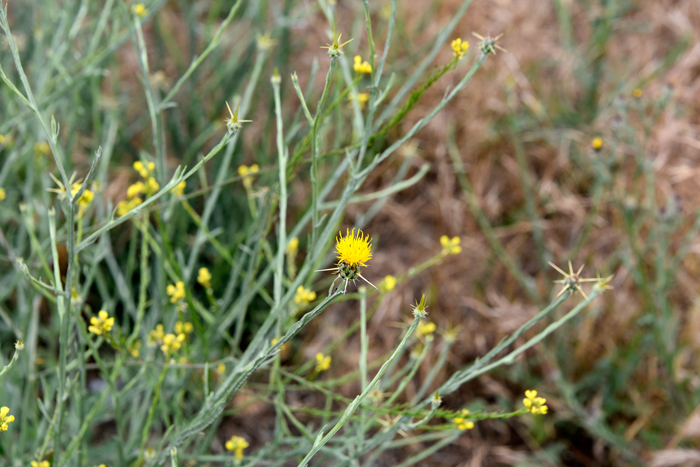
{"points": [[152, 185], [179, 188], [183, 328], [450, 246], [353, 249], [637, 93], [247, 174], [221, 368], [176, 292], [4, 418], [363, 68], [236, 445], [265, 41], [144, 169], [3, 195], [459, 47], [334, 48], [304, 296], [40, 464], [535, 404], [125, 206], [293, 245], [135, 349], [204, 278], [139, 10], [597, 143], [172, 343], [389, 283], [101, 325], [322, 362], [461, 422], [85, 199], [426, 328], [135, 190]]}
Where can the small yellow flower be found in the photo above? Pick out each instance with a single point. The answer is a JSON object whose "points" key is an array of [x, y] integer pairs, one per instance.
{"points": [[176, 292], [637, 93], [42, 148], [135, 190], [179, 188], [236, 445], [247, 174], [293, 246], [125, 206], [183, 328], [461, 422], [233, 123], [4, 418], [304, 296], [172, 343], [144, 170], [156, 336], [363, 68], [19, 345], [322, 362], [3, 195], [221, 368], [426, 328], [361, 99], [459, 47], [204, 278], [450, 246], [535, 404], [139, 10], [101, 325], [265, 41], [597, 143], [152, 185], [389, 283], [85, 199], [40, 464]]}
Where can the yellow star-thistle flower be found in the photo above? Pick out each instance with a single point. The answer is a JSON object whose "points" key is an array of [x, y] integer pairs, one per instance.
{"points": [[176, 292], [304, 296], [353, 249], [535, 404], [236, 445], [323, 362], [101, 325], [204, 278], [4, 418], [461, 422], [459, 47], [334, 48], [597, 143], [488, 44], [233, 123]]}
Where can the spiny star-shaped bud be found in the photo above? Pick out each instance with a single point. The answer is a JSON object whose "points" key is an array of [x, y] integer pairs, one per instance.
{"points": [[234, 124]]}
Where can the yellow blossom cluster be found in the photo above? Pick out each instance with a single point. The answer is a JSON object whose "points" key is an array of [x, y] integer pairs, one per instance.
{"points": [[172, 343], [183, 328], [102, 324], [236, 445], [459, 47], [304, 296], [450, 246], [323, 362], [361, 99], [139, 10], [247, 174], [535, 404], [363, 68], [140, 190], [4, 418], [204, 278], [176, 292], [461, 422], [42, 148]]}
